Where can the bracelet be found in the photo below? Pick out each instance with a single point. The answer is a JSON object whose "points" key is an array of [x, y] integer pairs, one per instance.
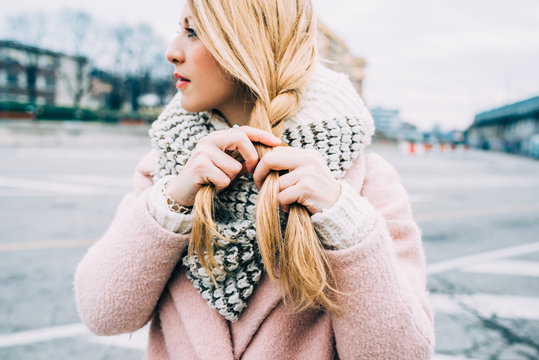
{"points": [[172, 204]]}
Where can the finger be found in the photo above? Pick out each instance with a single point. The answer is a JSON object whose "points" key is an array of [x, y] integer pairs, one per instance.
{"points": [[236, 139], [244, 170], [273, 160], [253, 134], [217, 177], [289, 196], [289, 179], [261, 136], [225, 162]]}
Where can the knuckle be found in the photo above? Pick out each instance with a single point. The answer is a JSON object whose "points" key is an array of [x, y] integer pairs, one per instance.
{"points": [[224, 182], [281, 199], [236, 167], [250, 156], [200, 164], [242, 136], [269, 157], [307, 184], [204, 140], [262, 162], [200, 149]]}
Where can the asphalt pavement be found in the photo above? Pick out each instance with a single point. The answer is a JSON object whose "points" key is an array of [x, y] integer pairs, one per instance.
{"points": [[60, 185]]}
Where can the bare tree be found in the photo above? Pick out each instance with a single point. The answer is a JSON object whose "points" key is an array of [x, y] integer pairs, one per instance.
{"points": [[28, 28], [138, 53], [132, 55]]}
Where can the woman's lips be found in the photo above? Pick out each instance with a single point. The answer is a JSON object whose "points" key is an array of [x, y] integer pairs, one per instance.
{"points": [[182, 81]]}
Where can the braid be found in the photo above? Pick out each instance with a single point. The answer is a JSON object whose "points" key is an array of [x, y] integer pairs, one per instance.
{"points": [[272, 54], [304, 272]]}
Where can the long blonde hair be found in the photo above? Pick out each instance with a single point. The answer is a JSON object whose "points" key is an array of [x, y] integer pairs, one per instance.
{"points": [[268, 46]]}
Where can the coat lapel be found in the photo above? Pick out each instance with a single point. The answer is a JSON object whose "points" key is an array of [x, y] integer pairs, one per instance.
{"points": [[268, 295], [263, 300], [208, 331]]}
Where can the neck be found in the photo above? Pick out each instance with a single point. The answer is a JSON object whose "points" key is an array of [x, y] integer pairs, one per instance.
{"points": [[238, 113]]}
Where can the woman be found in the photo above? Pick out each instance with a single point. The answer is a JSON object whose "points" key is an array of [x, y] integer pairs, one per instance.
{"points": [[198, 247]]}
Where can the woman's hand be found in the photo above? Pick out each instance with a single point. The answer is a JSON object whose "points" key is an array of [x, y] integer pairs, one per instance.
{"points": [[309, 182], [209, 162]]}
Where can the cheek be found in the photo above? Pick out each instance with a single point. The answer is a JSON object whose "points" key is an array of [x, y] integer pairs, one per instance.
{"points": [[201, 57], [214, 82], [207, 67]]}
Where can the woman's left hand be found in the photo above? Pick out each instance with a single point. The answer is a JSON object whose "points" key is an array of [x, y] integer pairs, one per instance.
{"points": [[309, 182]]}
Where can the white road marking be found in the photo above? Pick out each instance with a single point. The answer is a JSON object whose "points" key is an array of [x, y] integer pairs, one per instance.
{"points": [[460, 182], [467, 213], [470, 260], [18, 193], [503, 306], [449, 357], [38, 245], [136, 340], [511, 307], [506, 267], [51, 186], [91, 154], [94, 180], [39, 335]]}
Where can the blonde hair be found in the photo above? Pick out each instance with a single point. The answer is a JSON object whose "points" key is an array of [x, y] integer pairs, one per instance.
{"points": [[268, 46]]}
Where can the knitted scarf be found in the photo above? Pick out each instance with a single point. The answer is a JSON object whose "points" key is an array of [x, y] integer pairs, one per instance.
{"points": [[332, 121]]}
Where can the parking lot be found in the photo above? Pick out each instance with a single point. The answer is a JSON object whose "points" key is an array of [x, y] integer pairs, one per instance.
{"points": [[59, 187]]}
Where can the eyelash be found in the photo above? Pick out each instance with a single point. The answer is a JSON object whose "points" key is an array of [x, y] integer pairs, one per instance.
{"points": [[190, 32]]}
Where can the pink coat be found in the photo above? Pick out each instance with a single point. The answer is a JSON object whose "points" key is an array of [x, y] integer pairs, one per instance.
{"points": [[130, 276]]}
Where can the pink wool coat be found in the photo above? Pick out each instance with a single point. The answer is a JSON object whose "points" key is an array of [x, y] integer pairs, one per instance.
{"points": [[130, 276]]}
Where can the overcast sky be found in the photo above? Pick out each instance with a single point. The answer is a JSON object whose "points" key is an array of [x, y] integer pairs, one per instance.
{"points": [[437, 61]]}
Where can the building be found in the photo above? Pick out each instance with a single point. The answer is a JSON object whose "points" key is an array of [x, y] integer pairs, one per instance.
{"points": [[32, 75], [509, 128], [387, 121], [29, 74], [332, 48]]}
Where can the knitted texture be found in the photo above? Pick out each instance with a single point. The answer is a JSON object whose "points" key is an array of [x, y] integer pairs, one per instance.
{"points": [[338, 139], [337, 227]]}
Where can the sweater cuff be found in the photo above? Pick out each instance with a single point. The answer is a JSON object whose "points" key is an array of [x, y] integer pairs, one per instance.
{"points": [[158, 207], [347, 222]]}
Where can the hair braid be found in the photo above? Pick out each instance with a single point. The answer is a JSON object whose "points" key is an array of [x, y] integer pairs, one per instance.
{"points": [[269, 46]]}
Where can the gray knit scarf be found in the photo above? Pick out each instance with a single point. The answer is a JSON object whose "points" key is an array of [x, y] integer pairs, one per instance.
{"points": [[175, 135]]}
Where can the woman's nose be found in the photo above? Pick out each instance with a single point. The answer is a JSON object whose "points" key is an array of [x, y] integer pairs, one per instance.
{"points": [[175, 53]]}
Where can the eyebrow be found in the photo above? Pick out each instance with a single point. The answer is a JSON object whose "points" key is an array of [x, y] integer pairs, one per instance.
{"points": [[187, 20]]}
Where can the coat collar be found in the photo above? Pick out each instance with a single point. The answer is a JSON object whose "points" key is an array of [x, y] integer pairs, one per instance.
{"points": [[264, 299], [210, 333]]}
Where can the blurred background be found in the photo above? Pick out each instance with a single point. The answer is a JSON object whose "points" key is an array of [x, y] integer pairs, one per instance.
{"points": [[453, 87]]}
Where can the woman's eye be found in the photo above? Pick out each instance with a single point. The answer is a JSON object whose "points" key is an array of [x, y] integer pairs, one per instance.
{"points": [[190, 33]]}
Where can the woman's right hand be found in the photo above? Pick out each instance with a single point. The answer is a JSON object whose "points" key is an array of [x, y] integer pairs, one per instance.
{"points": [[209, 162]]}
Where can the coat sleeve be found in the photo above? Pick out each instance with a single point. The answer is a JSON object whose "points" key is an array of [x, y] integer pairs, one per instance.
{"points": [[385, 310], [121, 277]]}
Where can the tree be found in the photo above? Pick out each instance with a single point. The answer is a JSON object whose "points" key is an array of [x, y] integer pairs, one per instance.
{"points": [[138, 54], [133, 55]]}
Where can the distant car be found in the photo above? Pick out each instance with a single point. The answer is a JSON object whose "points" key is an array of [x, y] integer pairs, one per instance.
{"points": [[534, 146]]}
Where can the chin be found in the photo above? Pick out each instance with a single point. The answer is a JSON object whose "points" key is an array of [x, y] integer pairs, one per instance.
{"points": [[191, 106]]}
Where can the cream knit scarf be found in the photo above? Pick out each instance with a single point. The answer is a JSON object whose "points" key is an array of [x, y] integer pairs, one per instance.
{"points": [[331, 119]]}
